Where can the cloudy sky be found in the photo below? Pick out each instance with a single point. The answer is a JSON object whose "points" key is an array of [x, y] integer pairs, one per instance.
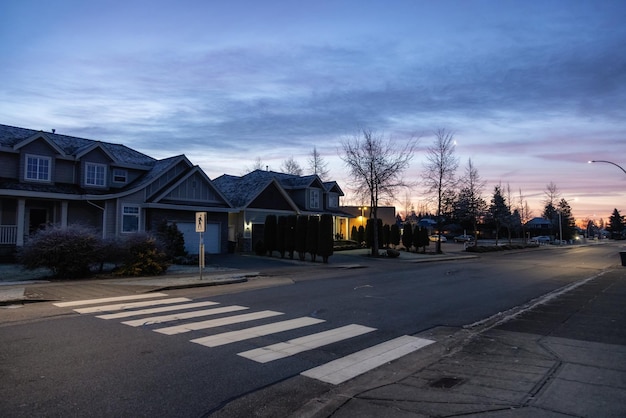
{"points": [[531, 89]]}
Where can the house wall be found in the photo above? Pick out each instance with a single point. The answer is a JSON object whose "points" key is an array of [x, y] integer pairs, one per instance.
{"points": [[40, 148], [64, 172], [9, 165], [84, 213]]}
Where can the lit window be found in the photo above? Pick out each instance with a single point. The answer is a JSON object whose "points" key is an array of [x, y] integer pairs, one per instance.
{"points": [[119, 175], [37, 168], [130, 219], [315, 199], [95, 174]]}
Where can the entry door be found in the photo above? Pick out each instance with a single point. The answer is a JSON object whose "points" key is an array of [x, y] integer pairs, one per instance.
{"points": [[37, 219]]}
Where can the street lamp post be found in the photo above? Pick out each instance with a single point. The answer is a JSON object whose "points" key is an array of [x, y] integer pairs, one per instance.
{"points": [[608, 162]]}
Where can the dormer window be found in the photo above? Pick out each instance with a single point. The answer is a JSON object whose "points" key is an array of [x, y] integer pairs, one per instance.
{"points": [[95, 174], [314, 199], [119, 175], [333, 200], [37, 168]]}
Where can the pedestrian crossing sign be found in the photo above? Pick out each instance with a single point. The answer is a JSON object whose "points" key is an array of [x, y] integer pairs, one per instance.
{"points": [[200, 221]]}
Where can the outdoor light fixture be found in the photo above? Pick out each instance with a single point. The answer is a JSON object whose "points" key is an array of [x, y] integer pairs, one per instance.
{"points": [[608, 162]]}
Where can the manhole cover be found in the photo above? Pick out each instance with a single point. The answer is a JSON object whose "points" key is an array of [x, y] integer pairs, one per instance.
{"points": [[446, 382]]}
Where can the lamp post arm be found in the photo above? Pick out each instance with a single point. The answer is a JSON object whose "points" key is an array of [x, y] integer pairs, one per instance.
{"points": [[608, 162]]}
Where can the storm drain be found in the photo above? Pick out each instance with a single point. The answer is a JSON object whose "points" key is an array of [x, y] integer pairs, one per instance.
{"points": [[446, 382]]}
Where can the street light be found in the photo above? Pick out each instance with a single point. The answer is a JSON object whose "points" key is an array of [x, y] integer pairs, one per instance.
{"points": [[607, 162]]}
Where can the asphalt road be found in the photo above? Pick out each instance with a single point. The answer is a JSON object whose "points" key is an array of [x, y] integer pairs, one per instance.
{"points": [[57, 362]]}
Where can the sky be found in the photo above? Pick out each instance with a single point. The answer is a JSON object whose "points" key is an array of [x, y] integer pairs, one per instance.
{"points": [[532, 90]]}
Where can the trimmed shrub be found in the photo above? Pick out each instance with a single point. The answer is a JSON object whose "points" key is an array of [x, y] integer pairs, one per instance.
{"points": [[313, 236], [290, 235], [326, 242], [270, 234], [361, 234], [354, 234], [395, 235], [301, 233], [143, 257], [259, 248], [68, 252], [386, 236], [407, 236], [281, 233]]}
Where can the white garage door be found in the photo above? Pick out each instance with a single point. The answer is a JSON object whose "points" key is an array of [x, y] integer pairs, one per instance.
{"points": [[192, 238]]}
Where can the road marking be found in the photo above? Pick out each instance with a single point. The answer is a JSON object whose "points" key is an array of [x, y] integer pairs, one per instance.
{"points": [[245, 334], [212, 323], [346, 368], [150, 311], [131, 305], [183, 315], [107, 300], [309, 342]]}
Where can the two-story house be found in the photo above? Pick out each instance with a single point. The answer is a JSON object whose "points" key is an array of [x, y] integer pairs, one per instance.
{"points": [[48, 178], [260, 193]]}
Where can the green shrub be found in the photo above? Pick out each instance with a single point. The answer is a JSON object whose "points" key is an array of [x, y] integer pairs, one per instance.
{"points": [[270, 233], [301, 233], [281, 235], [143, 257], [290, 235], [395, 235], [68, 252], [312, 236], [407, 236]]}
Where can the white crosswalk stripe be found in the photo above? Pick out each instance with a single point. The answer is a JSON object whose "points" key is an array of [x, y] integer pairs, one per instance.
{"points": [[245, 334], [107, 300], [309, 342], [346, 368], [144, 306], [161, 309], [183, 315], [130, 305], [212, 323]]}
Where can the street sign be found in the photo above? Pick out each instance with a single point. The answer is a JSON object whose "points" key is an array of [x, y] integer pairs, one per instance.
{"points": [[200, 221]]}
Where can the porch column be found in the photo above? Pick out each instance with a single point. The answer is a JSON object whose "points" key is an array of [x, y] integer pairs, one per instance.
{"points": [[21, 215], [64, 214]]}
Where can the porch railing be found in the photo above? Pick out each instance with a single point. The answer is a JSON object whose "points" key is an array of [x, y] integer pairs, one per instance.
{"points": [[8, 234]]}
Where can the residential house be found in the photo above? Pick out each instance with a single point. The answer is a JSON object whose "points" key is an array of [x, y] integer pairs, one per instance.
{"points": [[48, 178], [260, 193], [360, 215]]}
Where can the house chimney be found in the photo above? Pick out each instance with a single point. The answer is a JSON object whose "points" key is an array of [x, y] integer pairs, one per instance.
{"points": [[267, 168], [53, 130]]}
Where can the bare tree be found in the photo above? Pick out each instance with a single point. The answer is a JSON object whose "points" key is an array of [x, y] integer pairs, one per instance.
{"points": [[258, 165], [317, 165], [376, 166], [440, 172], [524, 211], [291, 166]]}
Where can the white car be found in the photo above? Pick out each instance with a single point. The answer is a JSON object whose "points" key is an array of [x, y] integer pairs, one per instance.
{"points": [[434, 238]]}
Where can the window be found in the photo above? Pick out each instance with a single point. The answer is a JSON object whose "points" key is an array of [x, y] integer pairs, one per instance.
{"points": [[37, 168], [130, 218], [95, 174], [333, 200], [314, 199], [119, 175]]}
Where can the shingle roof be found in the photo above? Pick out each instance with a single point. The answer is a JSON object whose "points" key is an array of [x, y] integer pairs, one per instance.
{"points": [[71, 145]]}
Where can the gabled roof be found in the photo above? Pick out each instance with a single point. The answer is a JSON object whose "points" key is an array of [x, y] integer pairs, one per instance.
{"points": [[241, 191], [194, 170], [332, 186], [70, 146]]}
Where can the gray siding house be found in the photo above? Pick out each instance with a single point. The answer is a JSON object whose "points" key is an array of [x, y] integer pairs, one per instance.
{"points": [[260, 193], [47, 178]]}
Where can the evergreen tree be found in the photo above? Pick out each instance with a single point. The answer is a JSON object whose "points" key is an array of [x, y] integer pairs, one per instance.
{"points": [[407, 236], [325, 241], [313, 236], [361, 235], [499, 210], [270, 233], [395, 235], [290, 235], [567, 222], [424, 238], [301, 233], [386, 236], [281, 233], [616, 225], [354, 234]]}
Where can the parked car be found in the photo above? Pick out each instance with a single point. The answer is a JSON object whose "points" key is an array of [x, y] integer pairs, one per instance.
{"points": [[463, 238], [541, 238], [434, 238]]}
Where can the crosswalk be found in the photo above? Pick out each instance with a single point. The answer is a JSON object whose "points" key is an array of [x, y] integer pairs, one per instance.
{"points": [[180, 315]]}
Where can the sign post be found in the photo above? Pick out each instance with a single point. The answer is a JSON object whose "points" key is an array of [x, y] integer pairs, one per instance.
{"points": [[200, 228]]}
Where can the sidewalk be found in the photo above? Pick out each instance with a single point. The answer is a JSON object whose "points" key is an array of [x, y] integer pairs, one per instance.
{"points": [[564, 357]]}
